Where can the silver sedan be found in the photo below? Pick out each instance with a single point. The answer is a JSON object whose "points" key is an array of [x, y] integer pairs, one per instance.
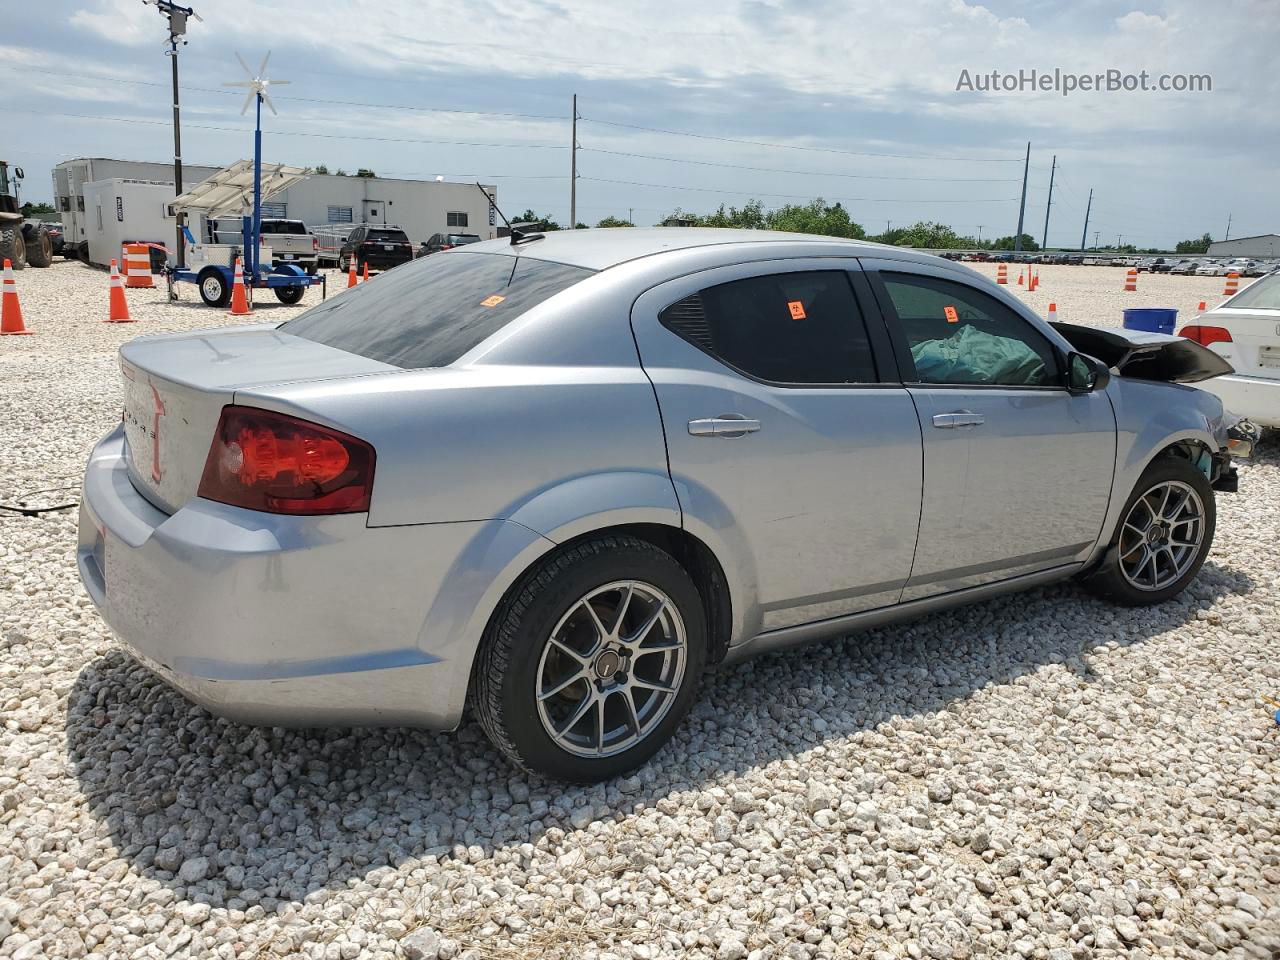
{"points": [[559, 477]]}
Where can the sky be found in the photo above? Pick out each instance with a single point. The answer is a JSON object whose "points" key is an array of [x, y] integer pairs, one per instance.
{"points": [[692, 105]]}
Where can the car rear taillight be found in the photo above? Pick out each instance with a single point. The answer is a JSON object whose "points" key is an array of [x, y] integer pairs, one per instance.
{"points": [[446, 246], [315, 244], [272, 462], [1205, 335]]}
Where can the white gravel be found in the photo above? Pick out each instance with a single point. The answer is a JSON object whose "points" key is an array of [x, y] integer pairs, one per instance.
{"points": [[1040, 776]]}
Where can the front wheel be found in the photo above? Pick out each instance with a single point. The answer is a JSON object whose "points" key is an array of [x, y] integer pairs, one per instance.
{"points": [[290, 295], [1165, 534], [214, 289], [589, 667]]}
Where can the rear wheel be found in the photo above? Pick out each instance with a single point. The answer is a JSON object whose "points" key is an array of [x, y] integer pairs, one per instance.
{"points": [[586, 671], [39, 248], [1165, 534], [214, 289], [289, 295]]}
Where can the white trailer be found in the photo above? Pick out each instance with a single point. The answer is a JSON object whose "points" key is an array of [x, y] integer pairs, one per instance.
{"points": [[121, 211], [71, 176]]}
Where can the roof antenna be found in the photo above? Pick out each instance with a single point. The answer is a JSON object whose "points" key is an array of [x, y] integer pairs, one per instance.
{"points": [[518, 236]]}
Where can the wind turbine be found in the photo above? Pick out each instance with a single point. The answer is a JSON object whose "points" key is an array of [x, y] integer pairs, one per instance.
{"points": [[257, 85]]}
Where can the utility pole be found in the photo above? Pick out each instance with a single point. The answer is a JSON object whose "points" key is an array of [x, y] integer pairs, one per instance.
{"points": [[573, 168], [631, 219], [1084, 234], [980, 226], [1096, 234], [177, 29], [1022, 207], [1044, 243], [1228, 236]]}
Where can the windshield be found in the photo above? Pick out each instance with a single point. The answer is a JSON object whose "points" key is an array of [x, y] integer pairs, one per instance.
{"points": [[1263, 294], [431, 311]]}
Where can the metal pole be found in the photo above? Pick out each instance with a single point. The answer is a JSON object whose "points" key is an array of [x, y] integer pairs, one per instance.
{"points": [[1044, 243], [573, 168], [1096, 235], [1228, 236], [180, 250], [1084, 234], [1022, 207], [257, 184]]}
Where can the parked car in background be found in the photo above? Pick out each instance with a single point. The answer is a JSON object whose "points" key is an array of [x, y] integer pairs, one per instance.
{"points": [[1162, 265], [439, 242], [289, 240], [1185, 267], [556, 480], [379, 248], [1245, 331]]}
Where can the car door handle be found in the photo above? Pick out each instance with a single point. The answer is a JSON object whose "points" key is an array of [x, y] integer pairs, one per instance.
{"points": [[961, 418], [723, 426]]}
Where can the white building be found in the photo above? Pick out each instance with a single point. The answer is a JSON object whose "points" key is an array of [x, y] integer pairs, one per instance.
{"points": [[420, 207], [1265, 246]]}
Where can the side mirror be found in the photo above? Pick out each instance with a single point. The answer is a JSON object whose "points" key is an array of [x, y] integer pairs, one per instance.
{"points": [[1085, 374]]}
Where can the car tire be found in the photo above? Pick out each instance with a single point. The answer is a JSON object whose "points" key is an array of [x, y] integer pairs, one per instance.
{"points": [[556, 648], [213, 286], [39, 248], [1126, 575], [290, 295], [12, 247]]}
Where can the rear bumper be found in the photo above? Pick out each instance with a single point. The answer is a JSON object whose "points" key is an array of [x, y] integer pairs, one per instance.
{"points": [[377, 260], [287, 621], [1253, 398]]}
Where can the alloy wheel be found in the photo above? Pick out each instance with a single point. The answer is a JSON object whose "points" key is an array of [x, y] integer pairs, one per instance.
{"points": [[1161, 537], [611, 669]]}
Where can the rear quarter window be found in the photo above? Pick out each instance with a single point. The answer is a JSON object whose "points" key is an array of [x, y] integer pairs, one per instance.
{"points": [[429, 312]]}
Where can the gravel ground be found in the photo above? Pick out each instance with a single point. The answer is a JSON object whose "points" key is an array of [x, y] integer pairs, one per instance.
{"points": [[1039, 776]]}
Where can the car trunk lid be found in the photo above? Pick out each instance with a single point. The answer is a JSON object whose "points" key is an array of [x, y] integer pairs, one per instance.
{"points": [[176, 386], [1254, 348]]}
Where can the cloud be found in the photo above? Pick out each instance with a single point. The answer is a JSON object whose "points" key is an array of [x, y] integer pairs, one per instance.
{"points": [[120, 21]]}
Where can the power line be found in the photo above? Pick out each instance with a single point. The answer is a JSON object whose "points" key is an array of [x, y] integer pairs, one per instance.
{"points": [[806, 173], [299, 133], [790, 196], [792, 146], [321, 100]]}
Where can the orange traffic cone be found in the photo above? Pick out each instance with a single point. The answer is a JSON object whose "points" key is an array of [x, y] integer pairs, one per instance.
{"points": [[1036, 284], [1202, 307], [10, 310], [1019, 278], [1053, 312], [119, 306], [351, 273], [1131, 281], [239, 301], [365, 277], [1002, 274]]}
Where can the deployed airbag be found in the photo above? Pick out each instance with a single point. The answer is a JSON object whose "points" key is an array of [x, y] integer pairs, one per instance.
{"points": [[1146, 356], [972, 356]]}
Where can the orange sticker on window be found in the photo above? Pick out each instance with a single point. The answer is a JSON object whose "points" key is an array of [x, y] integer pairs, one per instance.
{"points": [[951, 315], [797, 309], [492, 301]]}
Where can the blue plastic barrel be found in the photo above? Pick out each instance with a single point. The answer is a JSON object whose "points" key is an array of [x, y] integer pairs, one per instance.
{"points": [[1151, 319]]}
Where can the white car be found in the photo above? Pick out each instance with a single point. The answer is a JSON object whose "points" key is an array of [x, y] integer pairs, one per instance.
{"points": [[1245, 331], [1211, 269]]}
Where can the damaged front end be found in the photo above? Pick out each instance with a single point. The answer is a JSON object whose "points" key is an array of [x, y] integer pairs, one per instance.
{"points": [[1161, 357]]}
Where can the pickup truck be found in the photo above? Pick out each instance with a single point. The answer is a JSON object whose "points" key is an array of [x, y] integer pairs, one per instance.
{"points": [[290, 240]]}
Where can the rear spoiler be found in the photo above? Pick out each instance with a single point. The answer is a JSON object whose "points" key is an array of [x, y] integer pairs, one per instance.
{"points": [[1146, 356]]}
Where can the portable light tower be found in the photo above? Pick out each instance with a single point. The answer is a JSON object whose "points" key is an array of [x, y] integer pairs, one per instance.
{"points": [[178, 16]]}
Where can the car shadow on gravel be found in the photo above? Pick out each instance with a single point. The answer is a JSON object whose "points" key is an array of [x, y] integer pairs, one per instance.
{"points": [[235, 816]]}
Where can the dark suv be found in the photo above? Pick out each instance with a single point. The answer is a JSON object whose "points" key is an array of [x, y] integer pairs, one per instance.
{"points": [[446, 241], [379, 248]]}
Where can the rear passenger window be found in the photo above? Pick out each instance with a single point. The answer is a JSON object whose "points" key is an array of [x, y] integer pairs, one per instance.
{"points": [[792, 328], [958, 334]]}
